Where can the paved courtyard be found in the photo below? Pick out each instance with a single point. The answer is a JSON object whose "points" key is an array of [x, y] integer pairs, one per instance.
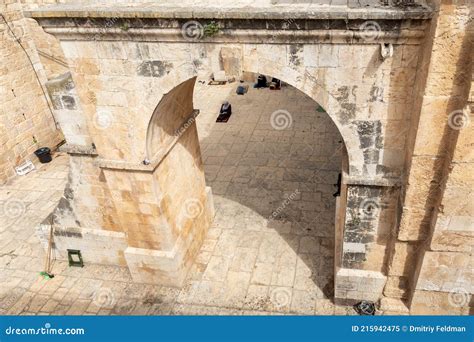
{"points": [[272, 167], [269, 250]]}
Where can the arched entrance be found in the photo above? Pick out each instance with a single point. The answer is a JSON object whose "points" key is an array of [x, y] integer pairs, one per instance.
{"points": [[272, 169]]}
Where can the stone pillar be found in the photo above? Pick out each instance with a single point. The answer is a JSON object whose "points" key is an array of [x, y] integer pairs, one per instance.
{"points": [[168, 208], [369, 219], [152, 215], [164, 208]]}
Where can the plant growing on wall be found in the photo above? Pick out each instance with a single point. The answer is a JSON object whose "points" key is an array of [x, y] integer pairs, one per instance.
{"points": [[211, 29], [124, 27]]}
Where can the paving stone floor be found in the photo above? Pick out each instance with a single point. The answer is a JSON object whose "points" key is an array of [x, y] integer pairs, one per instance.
{"points": [[269, 250]]}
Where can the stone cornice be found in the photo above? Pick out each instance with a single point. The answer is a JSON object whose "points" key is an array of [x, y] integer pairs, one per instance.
{"points": [[236, 26], [288, 12], [238, 36]]}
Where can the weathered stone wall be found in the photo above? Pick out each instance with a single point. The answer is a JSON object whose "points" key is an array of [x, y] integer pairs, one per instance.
{"points": [[49, 50], [152, 226], [40, 3], [68, 111], [431, 262], [47, 46], [96, 246], [26, 122]]}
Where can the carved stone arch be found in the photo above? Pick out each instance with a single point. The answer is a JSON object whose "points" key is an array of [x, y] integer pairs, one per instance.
{"points": [[175, 90]]}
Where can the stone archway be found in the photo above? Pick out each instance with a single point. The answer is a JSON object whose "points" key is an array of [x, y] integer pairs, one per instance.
{"points": [[175, 115], [128, 72], [304, 82]]}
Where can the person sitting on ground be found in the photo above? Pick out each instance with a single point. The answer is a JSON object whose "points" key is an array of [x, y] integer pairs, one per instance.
{"points": [[225, 112], [226, 108], [261, 82]]}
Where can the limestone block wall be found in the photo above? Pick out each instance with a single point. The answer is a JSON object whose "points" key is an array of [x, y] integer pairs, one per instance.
{"points": [[88, 200], [445, 277], [96, 246], [375, 145], [186, 201], [68, 112], [357, 285], [431, 263], [26, 122], [38, 3], [370, 217], [49, 50], [140, 214], [340, 215], [186, 213]]}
